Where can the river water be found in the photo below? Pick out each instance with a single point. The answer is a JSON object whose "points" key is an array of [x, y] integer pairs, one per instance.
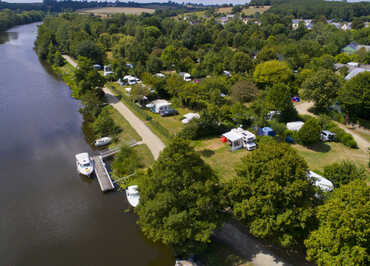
{"points": [[49, 214]]}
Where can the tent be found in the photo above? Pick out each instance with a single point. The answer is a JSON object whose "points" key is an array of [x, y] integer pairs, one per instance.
{"points": [[268, 131]]}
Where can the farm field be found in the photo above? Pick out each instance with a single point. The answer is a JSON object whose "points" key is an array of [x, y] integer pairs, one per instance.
{"points": [[116, 10], [247, 11]]}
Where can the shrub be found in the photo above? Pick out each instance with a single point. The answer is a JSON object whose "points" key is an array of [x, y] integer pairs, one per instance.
{"points": [[344, 172], [310, 132]]}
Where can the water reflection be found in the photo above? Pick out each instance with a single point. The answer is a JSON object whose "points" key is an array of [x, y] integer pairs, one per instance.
{"points": [[8, 36]]}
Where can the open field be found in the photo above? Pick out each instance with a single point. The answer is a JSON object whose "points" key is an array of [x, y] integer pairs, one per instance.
{"points": [[116, 10], [247, 11], [324, 154]]}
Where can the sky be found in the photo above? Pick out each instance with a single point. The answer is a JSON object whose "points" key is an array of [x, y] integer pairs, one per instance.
{"points": [[150, 1]]}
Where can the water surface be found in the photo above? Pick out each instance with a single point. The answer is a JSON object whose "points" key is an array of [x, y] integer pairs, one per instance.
{"points": [[49, 214]]}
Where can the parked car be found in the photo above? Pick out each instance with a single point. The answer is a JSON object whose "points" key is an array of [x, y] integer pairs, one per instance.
{"points": [[169, 112], [327, 135]]}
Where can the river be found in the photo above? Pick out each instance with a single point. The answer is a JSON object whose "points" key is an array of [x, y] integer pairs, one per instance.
{"points": [[49, 214]]}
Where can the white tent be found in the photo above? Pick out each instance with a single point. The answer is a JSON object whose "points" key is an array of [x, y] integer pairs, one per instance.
{"points": [[294, 126]]}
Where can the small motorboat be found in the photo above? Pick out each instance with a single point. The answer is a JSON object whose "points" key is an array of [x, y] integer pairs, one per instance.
{"points": [[132, 195], [102, 141], [84, 164]]}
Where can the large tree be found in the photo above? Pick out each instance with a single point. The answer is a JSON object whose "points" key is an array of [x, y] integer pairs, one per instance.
{"points": [[271, 72], [310, 132], [322, 88], [179, 199], [271, 194], [244, 91], [355, 96], [278, 98], [241, 62], [343, 235]]}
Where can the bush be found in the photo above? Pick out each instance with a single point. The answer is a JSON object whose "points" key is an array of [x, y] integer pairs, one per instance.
{"points": [[344, 172], [310, 132]]}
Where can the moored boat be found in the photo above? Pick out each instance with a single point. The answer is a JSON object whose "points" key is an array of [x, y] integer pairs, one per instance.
{"points": [[84, 164], [132, 195], [102, 141]]}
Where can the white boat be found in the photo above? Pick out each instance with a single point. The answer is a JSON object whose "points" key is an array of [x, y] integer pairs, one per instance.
{"points": [[132, 195], [84, 164], [102, 141]]}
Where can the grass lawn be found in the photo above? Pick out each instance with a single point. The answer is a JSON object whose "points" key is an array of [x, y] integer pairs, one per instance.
{"points": [[324, 154], [145, 155], [128, 134], [363, 134], [219, 156]]}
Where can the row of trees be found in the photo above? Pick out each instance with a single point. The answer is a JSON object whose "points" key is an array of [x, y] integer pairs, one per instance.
{"points": [[10, 18], [182, 202]]}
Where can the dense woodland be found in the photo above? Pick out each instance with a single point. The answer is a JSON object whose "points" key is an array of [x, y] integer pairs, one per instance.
{"points": [[182, 199], [10, 18]]}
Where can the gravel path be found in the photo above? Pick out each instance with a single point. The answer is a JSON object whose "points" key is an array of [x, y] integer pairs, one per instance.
{"points": [[363, 144]]}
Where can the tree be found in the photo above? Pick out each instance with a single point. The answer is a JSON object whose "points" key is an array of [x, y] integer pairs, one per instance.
{"points": [[357, 24], [170, 57], [244, 91], [104, 125], [154, 64], [179, 199], [278, 98], [343, 235], [58, 59], [90, 50], [241, 62], [344, 172], [271, 194], [310, 132], [271, 72], [125, 162], [322, 88], [355, 95]]}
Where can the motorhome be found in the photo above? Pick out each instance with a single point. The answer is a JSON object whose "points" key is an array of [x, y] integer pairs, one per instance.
{"points": [[239, 138]]}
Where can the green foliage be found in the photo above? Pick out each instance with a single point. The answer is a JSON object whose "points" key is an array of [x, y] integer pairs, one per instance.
{"points": [[271, 72], [244, 91], [355, 96], [90, 49], [343, 172], [179, 199], [125, 162], [279, 98], [343, 235], [104, 125], [241, 63], [271, 194], [58, 59], [310, 132], [9, 18], [322, 88]]}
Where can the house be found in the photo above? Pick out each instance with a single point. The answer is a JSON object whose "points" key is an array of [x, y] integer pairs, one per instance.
{"points": [[189, 117], [354, 47], [307, 23], [239, 138], [319, 181], [159, 106], [107, 70], [295, 126]]}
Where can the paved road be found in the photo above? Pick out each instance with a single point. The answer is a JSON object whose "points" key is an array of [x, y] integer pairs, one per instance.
{"points": [[153, 142], [363, 144]]}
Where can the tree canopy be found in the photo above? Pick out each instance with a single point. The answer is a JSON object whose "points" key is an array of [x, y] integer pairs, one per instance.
{"points": [[179, 199], [271, 194], [343, 235]]}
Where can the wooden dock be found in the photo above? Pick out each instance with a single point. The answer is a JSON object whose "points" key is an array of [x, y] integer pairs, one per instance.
{"points": [[102, 174], [101, 171]]}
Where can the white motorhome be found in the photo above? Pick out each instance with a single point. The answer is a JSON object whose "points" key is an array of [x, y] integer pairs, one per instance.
{"points": [[239, 138], [327, 135]]}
